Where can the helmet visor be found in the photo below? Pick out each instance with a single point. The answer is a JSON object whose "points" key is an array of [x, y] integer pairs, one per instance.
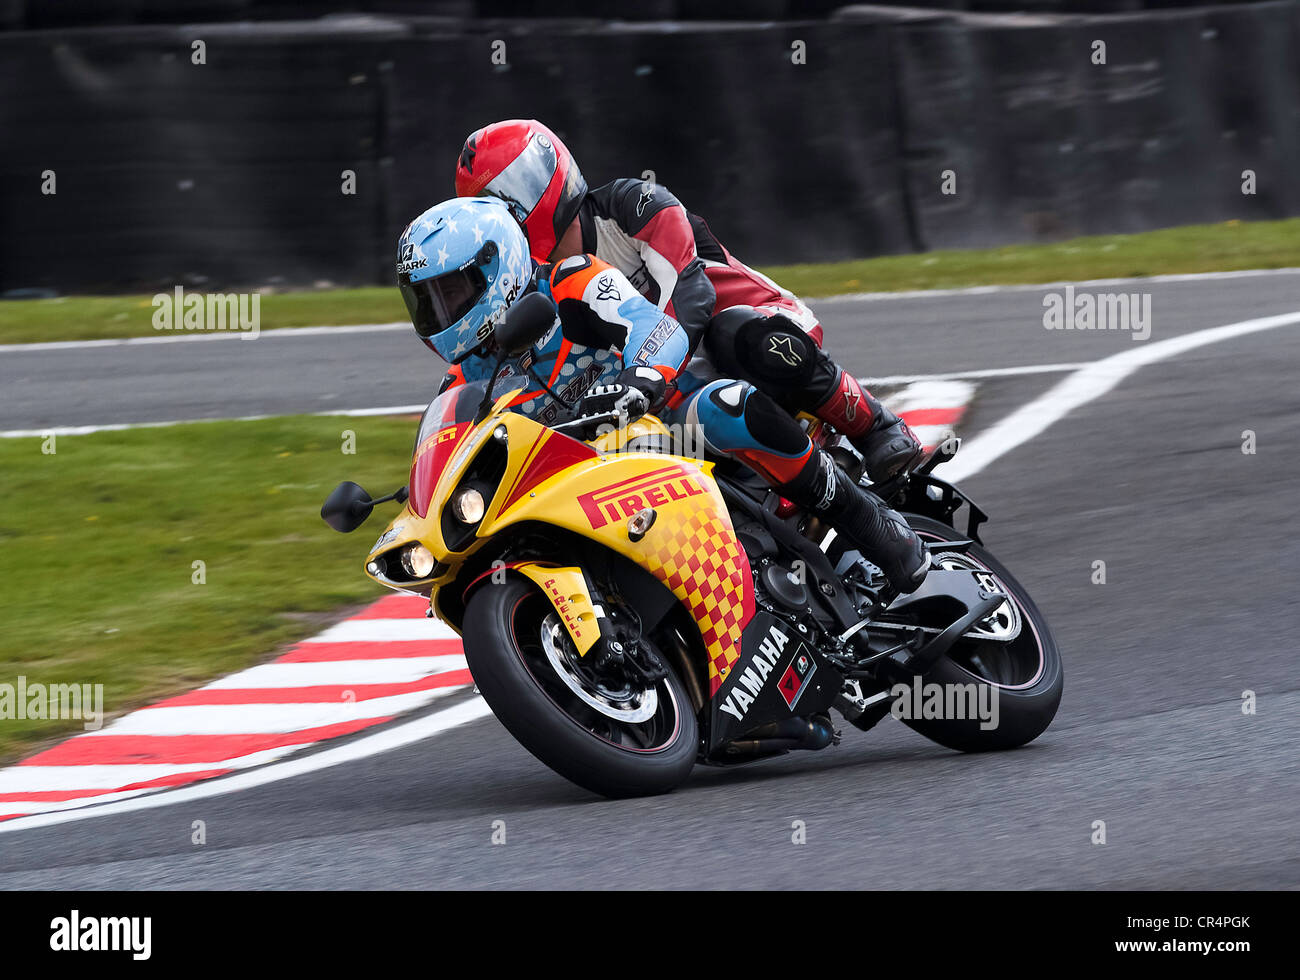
{"points": [[438, 303], [525, 179]]}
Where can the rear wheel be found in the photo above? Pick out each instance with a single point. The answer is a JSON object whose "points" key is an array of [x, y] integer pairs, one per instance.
{"points": [[609, 735], [1014, 654]]}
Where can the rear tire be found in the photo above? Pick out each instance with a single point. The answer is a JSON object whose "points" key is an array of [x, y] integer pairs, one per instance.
{"points": [[502, 630], [1027, 699]]}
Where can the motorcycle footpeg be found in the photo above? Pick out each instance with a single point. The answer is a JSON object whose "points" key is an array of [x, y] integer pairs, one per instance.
{"points": [[859, 709], [870, 718]]}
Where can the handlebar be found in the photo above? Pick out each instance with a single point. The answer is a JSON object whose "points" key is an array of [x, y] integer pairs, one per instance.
{"points": [[586, 421]]}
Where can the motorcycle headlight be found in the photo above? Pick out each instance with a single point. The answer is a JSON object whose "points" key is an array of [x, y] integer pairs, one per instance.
{"points": [[467, 504], [417, 560]]}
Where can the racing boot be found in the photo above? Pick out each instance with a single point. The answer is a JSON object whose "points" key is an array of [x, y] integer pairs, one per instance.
{"points": [[879, 532], [885, 441]]}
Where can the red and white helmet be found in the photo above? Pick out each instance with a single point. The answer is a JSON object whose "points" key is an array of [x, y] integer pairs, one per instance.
{"points": [[524, 164]]}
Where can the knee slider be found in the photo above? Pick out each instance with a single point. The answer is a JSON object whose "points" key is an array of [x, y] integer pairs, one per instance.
{"points": [[772, 426]]}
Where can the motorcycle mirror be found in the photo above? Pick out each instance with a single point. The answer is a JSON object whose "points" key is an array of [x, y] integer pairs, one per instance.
{"points": [[347, 507], [524, 324]]}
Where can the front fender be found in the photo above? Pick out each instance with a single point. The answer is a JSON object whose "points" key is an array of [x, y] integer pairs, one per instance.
{"points": [[569, 592]]}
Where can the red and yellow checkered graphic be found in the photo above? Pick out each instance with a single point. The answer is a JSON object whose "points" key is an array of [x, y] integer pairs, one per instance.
{"points": [[700, 560]]}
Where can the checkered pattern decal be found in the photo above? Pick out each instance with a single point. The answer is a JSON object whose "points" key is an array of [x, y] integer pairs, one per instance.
{"points": [[701, 561]]}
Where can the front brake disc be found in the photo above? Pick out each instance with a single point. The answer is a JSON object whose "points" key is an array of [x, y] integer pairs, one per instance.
{"points": [[630, 708]]}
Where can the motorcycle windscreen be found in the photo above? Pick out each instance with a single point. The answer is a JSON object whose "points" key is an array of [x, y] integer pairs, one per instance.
{"points": [[444, 424]]}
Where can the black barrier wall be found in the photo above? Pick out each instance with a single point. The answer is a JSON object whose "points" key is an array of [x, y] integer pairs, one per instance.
{"points": [[166, 171], [294, 153], [1044, 143], [36, 14], [786, 160]]}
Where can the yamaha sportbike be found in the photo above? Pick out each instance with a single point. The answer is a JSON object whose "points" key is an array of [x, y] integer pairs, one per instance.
{"points": [[628, 612]]}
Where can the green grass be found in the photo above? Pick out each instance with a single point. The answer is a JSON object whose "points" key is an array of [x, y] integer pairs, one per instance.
{"points": [[97, 317], [98, 541], [1194, 248]]}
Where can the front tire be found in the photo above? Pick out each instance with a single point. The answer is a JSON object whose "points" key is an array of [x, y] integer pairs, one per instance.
{"points": [[1028, 674], [521, 682]]}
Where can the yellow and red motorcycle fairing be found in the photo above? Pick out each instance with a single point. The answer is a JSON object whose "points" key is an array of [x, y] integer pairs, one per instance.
{"points": [[557, 480]]}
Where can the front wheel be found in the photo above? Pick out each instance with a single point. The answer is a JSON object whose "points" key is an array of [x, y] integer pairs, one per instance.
{"points": [[612, 737], [1015, 655]]}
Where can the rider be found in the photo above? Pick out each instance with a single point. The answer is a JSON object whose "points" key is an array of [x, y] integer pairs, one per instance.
{"points": [[462, 263], [749, 327]]}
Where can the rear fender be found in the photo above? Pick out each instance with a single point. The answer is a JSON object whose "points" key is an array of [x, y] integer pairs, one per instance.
{"points": [[934, 498]]}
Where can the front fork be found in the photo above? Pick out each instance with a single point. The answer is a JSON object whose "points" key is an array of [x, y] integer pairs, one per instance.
{"points": [[599, 641]]}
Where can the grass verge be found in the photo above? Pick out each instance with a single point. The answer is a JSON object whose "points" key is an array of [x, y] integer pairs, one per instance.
{"points": [[98, 543], [1194, 248]]}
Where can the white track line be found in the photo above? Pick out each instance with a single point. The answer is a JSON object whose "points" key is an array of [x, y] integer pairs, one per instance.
{"points": [[26, 807], [181, 337], [893, 379], [1008, 372], [385, 631], [1035, 286], [331, 673], [85, 430], [283, 333], [1085, 385], [1022, 425], [44, 779]]}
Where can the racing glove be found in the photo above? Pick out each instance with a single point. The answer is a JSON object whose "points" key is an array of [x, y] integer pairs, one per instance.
{"points": [[636, 391]]}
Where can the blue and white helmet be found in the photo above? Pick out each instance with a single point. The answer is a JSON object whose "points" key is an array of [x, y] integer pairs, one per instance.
{"points": [[459, 266]]}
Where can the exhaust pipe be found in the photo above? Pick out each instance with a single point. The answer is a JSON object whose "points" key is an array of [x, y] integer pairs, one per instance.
{"points": [[777, 737]]}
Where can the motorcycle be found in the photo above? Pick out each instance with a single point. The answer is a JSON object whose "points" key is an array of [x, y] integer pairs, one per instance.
{"points": [[627, 612]]}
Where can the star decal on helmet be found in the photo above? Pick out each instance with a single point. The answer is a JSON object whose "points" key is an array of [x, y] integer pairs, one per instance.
{"points": [[467, 155]]}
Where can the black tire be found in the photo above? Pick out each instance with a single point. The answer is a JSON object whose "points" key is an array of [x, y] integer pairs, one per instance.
{"points": [[502, 625], [1025, 708]]}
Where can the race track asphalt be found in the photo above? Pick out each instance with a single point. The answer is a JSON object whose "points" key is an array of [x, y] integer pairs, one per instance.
{"points": [[1202, 556]]}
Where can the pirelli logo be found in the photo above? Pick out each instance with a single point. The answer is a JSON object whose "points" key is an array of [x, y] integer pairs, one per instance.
{"points": [[449, 434], [623, 499]]}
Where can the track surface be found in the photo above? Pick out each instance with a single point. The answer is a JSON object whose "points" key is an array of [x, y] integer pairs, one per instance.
{"points": [[1202, 559], [282, 372]]}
